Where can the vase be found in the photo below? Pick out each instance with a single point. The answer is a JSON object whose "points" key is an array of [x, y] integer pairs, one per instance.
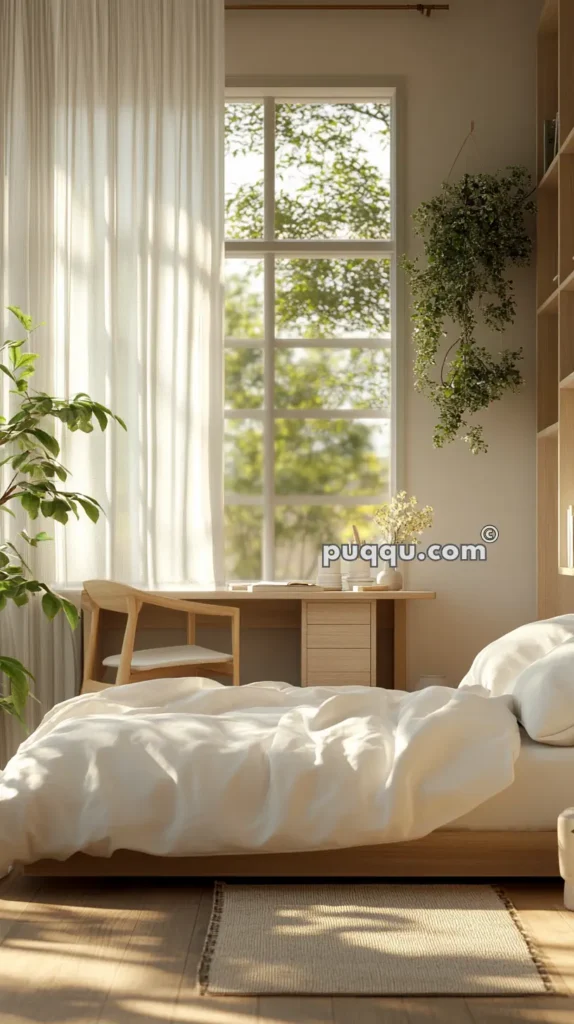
{"points": [[391, 578]]}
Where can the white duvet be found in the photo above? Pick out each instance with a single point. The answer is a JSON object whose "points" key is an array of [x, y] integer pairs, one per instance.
{"points": [[188, 766]]}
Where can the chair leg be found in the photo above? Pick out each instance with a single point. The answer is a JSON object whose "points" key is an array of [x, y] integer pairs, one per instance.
{"points": [[124, 669], [91, 649]]}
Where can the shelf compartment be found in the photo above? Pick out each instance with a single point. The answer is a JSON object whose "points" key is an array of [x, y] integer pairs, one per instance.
{"points": [[547, 371], [566, 338], [547, 232], [567, 285], [549, 180], [565, 69], [549, 17], [565, 571], [550, 305], [547, 523], [566, 217], [547, 78], [565, 468], [550, 431], [568, 144]]}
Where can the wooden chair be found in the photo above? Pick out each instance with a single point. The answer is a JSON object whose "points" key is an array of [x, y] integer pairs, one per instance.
{"points": [[133, 666]]}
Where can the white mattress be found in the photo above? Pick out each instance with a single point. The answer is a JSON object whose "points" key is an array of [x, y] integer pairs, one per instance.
{"points": [[543, 787]]}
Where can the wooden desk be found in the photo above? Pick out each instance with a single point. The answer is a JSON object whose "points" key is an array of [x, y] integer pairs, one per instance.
{"points": [[346, 637]]}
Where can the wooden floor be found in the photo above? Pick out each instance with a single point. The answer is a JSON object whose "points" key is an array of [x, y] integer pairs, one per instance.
{"points": [[75, 952]]}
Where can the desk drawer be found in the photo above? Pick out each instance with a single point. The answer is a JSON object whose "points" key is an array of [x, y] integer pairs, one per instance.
{"points": [[339, 679], [345, 613], [339, 660], [339, 636]]}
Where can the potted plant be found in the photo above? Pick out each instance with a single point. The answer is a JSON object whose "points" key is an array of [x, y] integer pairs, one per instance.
{"points": [[401, 521], [473, 231], [34, 478]]}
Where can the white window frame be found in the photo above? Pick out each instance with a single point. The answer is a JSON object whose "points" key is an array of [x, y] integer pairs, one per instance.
{"points": [[267, 248]]}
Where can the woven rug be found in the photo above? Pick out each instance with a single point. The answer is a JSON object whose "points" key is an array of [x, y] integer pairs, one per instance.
{"points": [[368, 939]]}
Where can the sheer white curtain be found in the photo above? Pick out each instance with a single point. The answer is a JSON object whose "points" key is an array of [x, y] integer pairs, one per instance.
{"points": [[111, 233]]}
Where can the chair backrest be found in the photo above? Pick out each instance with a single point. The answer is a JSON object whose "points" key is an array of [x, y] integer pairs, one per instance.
{"points": [[112, 597]]}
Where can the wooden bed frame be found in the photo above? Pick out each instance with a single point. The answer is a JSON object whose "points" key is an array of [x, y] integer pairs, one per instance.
{"points": [[443, 854]]}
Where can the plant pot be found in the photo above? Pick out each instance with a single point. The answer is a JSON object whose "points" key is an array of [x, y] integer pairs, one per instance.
{"points": [[391, 578]]}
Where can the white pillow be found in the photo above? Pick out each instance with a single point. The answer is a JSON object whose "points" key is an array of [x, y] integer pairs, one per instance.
{"points": [[544, 697], [498, 665]]}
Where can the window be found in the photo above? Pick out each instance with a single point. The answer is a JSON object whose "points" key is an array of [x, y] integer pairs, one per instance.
{"points": [[309, 284]]}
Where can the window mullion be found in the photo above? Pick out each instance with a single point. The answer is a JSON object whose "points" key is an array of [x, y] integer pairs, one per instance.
{"points": [[269, 343]]}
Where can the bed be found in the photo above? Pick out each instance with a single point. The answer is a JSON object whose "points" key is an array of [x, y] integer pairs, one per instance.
{"points": [[543, 786], [268, 780], [512, 834]]}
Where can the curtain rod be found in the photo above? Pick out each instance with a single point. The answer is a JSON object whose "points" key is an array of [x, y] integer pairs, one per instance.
{"points": [[425, 9]]}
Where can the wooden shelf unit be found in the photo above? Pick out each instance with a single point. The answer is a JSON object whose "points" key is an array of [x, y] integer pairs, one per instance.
{"points": [[555, 309]]}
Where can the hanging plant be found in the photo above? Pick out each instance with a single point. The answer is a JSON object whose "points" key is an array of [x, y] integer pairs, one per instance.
{"points": [[473, 231]]}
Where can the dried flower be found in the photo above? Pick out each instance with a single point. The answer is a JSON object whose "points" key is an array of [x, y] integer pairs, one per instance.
{"points": [[402, 521]]}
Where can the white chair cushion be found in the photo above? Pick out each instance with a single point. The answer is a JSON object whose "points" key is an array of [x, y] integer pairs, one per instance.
{"points": [[160, 657]]}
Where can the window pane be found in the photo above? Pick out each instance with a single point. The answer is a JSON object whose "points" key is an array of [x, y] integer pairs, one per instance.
{"points": [[300, 530], [315, 378], [243, 456], [243, 170], [332, 298], [243, 534], [331, 456], [244, 299], [243, 378], [332, 170]]}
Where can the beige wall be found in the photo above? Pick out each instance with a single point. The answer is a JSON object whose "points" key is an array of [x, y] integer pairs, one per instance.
{"points": [[475, 62]]}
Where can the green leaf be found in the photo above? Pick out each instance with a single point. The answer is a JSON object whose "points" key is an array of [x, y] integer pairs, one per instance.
{"points": [[30, 503], [101, 416], [24, 318], [60, 511], [34, 541], [65, 415], [42, 405], [8, 373], [48, 440], [19, 685], [47, 508], [9, 664], [51, 604], [19, 690], [20, 459], [14, 351], [90, 509], [71, 612]]}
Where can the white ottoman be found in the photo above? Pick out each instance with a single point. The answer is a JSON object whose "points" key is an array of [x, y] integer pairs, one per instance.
{"points": [[566, 854]]}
